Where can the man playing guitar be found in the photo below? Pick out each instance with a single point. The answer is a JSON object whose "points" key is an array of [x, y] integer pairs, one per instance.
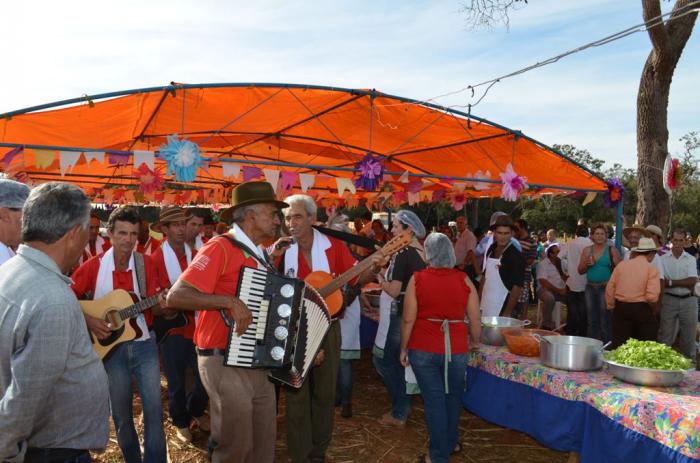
{"points": [[120, 268]]}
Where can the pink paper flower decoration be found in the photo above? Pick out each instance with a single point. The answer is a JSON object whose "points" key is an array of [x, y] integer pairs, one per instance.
{"points": [[150, 181], [513, 184], [458, 201]]}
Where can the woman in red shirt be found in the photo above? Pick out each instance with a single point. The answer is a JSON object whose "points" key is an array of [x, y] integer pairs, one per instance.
{"points": [[434, 341]]}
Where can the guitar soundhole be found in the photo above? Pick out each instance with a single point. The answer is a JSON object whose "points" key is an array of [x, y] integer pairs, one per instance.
{"points": [[112, 337]]}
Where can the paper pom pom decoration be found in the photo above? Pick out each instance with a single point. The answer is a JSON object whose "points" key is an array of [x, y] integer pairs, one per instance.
{"points": [[615, 193], [672, 175], [513, 184], [482, 185], [150, 181], [182, 157], [371, 173], [458, 200]]}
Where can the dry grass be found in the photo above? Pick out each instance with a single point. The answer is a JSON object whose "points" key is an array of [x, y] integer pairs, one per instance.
{"points": [[362, 439]]}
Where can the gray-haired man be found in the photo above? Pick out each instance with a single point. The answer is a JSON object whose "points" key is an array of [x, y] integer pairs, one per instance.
{"points": [[12, 197], [55, 404]]}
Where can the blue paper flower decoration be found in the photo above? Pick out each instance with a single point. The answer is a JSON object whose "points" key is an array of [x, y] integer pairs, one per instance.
{"points": [[182, 157]]}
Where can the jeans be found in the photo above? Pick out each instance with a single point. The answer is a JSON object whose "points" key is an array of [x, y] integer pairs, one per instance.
{"points": [[344, 389], [441, 409], [549, 300], [392, 372], [599, 318], [178, 354], [576, 324], [137, 360]]}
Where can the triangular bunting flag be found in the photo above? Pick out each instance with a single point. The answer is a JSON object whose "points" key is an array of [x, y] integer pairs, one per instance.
{"points": [[231, 169], [67, 160], [413, 198], [459, 186], [404, 177], [273, 177], [589, 198], [118, 159], [251, 173], [43, 158], [144, 157], [289, 179], [10, 155], [344, 184], [306, 181], [98, 156]]}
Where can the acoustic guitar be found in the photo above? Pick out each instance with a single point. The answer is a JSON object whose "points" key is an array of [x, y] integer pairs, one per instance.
{"points": [[119, 308], [330, 288]]}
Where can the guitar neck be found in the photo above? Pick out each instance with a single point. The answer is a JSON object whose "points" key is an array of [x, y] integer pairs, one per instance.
{"points": [[138, 308], [339, 282]]}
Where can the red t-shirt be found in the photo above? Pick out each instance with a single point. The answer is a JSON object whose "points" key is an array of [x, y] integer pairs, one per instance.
{"points": [[149, 248], [441, 294], [85, 279], [164, 282], [215, 270]]}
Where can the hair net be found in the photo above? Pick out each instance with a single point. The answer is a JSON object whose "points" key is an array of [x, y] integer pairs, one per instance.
{"points": [[439, 251], [495, 216], [410, 219], [13, 194]]}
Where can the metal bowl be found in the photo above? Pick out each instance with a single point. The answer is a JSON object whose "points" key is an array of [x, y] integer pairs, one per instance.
{"points": [[491, 329], [645, 376]]}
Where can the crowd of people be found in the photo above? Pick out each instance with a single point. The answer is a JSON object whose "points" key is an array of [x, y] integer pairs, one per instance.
{"points": [[58, 393]]}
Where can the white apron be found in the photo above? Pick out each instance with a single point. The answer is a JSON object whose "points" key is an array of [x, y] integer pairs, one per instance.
{"points": [[350, 331], [495, 293], [384, 317]]}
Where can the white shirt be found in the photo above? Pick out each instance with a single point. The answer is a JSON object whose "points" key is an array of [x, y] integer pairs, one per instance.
{"points": [[570, 258], [546, 270], [6, 253], [678, 269]]}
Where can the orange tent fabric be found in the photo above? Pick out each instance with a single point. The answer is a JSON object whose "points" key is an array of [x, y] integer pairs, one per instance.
{"points": [[303, 129]]}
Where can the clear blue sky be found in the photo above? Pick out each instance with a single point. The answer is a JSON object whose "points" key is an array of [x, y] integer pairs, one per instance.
{"points": [[419, 49]]}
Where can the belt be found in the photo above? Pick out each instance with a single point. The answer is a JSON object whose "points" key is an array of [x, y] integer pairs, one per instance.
{"points": [[35, 455], [210, 352], [685, 296]]}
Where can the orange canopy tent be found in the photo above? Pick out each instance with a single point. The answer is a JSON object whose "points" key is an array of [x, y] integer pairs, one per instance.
{"points": [[322, 132]]}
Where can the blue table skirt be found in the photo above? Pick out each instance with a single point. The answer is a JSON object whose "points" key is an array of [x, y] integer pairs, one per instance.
{"points": [[560, 424]]}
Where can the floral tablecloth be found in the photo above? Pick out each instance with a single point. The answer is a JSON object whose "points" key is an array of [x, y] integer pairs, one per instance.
{"points": [[669, 415]]}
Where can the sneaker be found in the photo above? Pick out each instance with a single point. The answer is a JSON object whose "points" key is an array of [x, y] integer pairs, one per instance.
{"points": [[184, 435], [388, 420], [203, 422], [346, 411]]}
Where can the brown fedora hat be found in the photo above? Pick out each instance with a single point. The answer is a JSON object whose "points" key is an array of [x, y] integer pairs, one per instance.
{"points": [[249, 193], [170, 214]]}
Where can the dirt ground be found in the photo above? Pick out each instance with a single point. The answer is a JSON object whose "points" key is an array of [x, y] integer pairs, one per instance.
{"points": [[362, 439]]}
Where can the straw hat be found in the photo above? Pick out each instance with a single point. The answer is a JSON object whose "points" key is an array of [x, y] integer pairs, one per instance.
{"points": [[636, 227], [169, 215], [645, 245], [654, 230], [249, 193]]}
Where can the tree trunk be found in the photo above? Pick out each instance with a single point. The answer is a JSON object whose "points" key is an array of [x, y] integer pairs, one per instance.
{"points": [[668, 41]]}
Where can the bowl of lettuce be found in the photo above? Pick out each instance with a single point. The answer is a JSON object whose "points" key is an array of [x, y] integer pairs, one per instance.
{"points": [[647, 363]]}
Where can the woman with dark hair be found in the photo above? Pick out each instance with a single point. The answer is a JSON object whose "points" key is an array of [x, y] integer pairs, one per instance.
{"points": [[434, 341], [597, 262]]}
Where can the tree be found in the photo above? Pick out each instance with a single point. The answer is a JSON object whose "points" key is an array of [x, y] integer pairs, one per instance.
{"points": [[668, 40]]}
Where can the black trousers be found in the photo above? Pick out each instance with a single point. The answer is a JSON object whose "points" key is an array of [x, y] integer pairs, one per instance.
{"points": [[633, 320], [576, 321]]}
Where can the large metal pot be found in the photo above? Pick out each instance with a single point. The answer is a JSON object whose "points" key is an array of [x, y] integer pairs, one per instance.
{"points": [[491, 329], [572, 353]]}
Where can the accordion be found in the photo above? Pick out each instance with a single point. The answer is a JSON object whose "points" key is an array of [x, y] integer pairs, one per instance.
{"points": [[290, 320]]}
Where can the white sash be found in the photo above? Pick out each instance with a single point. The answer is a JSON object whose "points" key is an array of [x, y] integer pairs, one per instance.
{"points": [[172, 264], [319, 259], [105, 284]]}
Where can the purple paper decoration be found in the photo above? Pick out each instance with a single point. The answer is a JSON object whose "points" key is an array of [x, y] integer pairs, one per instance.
{"points": [[251, 173], [289, 179], [615, 193], [10, 155], [371, 173], [118, 159]]}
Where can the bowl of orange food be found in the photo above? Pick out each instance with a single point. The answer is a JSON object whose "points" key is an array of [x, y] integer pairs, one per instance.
{"points": [[520, 341]]}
